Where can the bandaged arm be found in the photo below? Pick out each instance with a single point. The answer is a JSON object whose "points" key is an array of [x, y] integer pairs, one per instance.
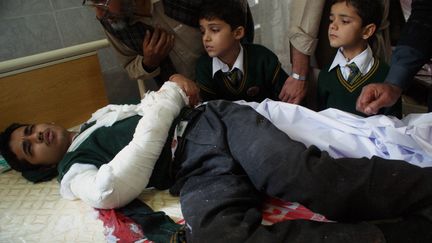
{"points": [[127, 174]]}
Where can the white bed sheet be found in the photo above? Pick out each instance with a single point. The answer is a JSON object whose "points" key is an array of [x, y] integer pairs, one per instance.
{"points": [[37, 213]]}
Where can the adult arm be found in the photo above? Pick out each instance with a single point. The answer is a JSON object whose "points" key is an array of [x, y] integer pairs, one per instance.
{"points": [[305, 19], [414, 49], [127, 174], [294, 88]]}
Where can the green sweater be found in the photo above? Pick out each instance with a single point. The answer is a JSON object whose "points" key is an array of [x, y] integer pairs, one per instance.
{"points": [[263, 77], [336, 92], [105, 142]]}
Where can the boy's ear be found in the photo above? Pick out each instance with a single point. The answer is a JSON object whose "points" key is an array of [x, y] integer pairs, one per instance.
{"points": [[239, 32], [368, 31]]}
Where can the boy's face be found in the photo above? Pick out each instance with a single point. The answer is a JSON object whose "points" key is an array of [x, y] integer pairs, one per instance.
{"points": [[219, 39], [345, 29], [40, 144]]}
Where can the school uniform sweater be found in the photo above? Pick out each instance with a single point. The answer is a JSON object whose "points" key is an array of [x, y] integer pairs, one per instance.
{"points": [[334, 91], [263, 77], [106, 142]]}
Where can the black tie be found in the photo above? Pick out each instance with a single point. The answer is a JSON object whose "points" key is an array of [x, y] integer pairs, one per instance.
{"points": [[234, 76], [355, 72]]}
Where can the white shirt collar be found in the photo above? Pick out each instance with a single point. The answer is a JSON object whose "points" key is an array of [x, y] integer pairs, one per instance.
{"points": [[364, 60], [220, 65]]}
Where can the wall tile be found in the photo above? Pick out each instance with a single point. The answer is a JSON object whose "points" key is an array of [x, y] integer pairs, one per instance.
{"points": [[33, 26], [27, 36], [108, 58], [18, 8], [78, 25], [120, 89], [63, 4]]}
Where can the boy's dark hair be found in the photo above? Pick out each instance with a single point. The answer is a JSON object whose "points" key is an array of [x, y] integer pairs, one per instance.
{"points": [[233, 12], [370, 11], [8, 155]]}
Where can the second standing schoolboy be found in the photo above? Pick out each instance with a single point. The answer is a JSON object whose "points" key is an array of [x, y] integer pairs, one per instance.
{"points": [[352, 24], [234, 71]]}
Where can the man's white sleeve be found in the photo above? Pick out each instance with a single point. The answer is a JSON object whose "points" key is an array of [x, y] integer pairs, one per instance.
{"points": [[123, 179], [305, 17]]}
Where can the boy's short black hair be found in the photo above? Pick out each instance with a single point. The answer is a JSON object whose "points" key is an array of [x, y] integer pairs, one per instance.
{"points": [[370, 11], [8, 155], [233, 12]]}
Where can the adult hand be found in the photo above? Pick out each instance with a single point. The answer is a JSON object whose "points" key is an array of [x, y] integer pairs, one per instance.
{"points": [[156, 47], [377, 95], [293, 91], [188, 86]]}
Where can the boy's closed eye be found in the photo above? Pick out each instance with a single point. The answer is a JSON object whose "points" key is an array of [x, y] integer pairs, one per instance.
{"points": [[28, 130], [27, 148], [26, 145], [214, 29], [343, 20]]}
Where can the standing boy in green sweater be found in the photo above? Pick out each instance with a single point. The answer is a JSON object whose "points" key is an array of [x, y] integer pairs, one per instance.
{"points": [[231, 70], [352, 24]]}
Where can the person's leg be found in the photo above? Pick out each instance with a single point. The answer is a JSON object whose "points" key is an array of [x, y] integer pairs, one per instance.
{"points": [[413, 228], [226, 208], [219, 203], [220, 200], [341, 189]]}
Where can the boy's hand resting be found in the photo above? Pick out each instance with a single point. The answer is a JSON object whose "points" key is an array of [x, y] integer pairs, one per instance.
{"points": [[188, 86]]}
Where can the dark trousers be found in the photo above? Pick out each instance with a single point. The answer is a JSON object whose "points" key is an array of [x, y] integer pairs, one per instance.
{"points": [[233, 157]]}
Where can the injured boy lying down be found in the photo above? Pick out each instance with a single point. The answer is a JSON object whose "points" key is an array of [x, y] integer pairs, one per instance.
{"points": [[224, 159]]}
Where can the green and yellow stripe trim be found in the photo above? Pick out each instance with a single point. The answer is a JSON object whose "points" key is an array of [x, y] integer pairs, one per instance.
{"points": [[358, 81]]}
